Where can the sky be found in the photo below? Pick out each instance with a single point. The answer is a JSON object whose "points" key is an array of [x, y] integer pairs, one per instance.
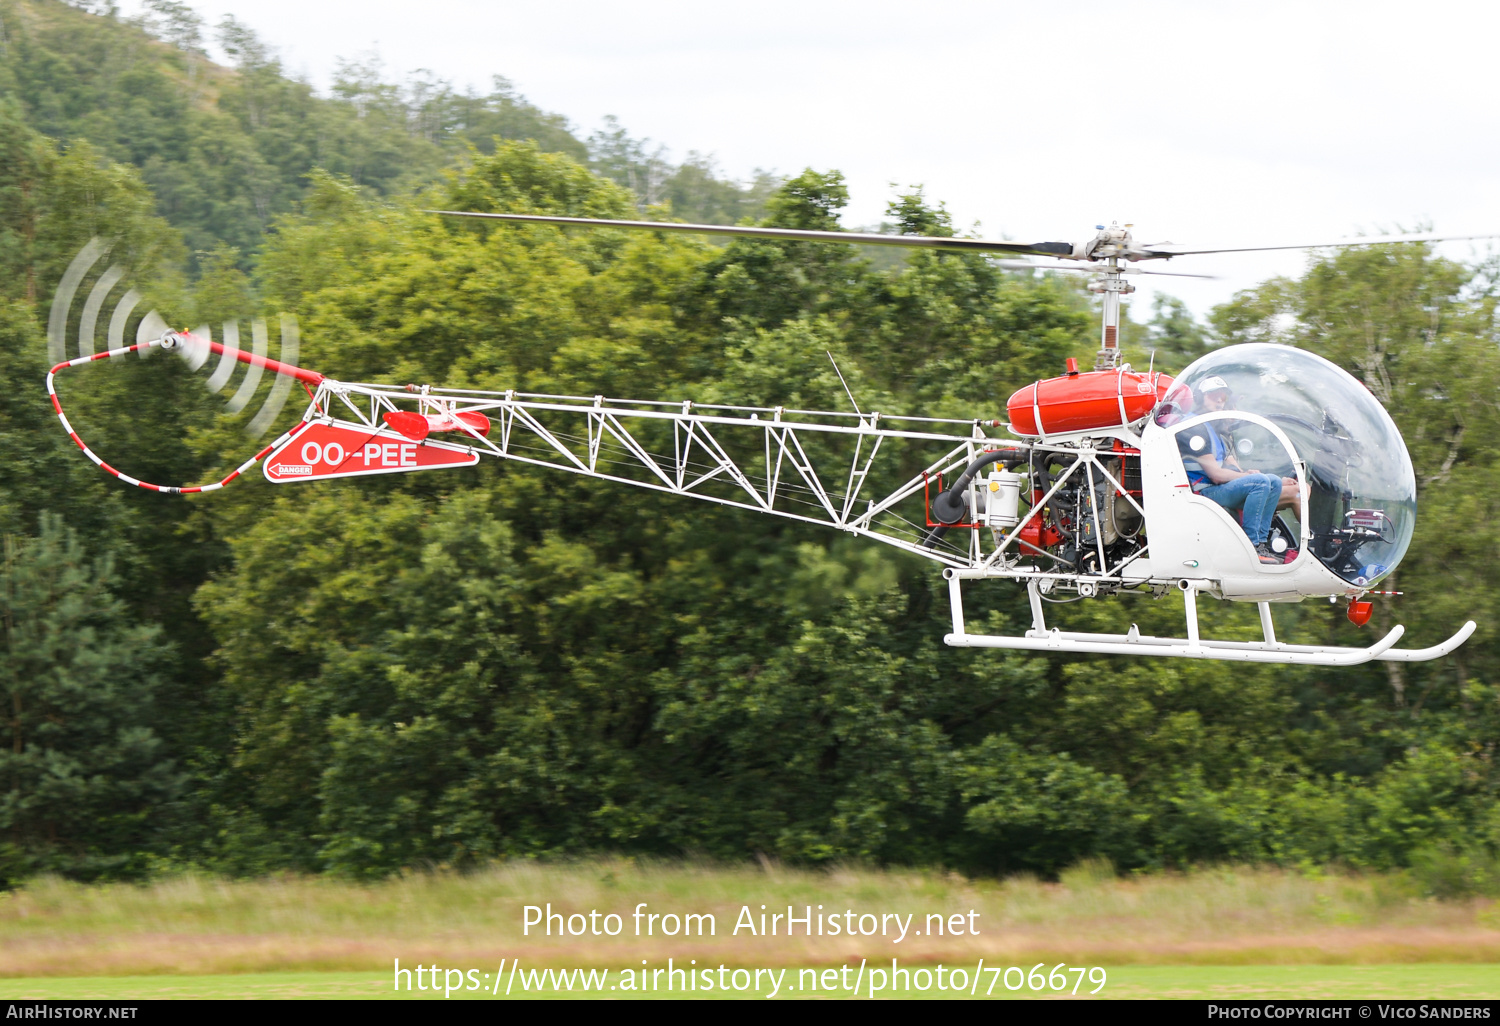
{"points": [[1198, 122]]}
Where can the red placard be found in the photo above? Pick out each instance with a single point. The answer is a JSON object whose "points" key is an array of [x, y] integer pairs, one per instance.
{"points": [[351, 450]]}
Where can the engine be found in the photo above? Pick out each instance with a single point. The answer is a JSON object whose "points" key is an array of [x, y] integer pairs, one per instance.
{"points": [[1088, 525]]}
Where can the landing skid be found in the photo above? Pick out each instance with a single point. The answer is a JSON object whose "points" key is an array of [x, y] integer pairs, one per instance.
{"points": [[1040, 639]]}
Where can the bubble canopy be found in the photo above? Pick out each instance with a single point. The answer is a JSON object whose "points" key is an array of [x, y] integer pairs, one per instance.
{"points": [[1363, 502]]}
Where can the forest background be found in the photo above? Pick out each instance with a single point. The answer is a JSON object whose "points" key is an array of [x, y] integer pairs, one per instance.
{"points": [[447, 669]]}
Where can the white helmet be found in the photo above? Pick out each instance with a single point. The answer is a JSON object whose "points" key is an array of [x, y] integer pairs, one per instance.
{"points": [[1213, 383]]}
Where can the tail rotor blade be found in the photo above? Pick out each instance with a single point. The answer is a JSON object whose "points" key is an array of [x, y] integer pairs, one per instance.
{"points": [[62, 300], [268, 413], [262, 343], [93, 305], [152, 326], [225, 367], [123, 309], [195, 347]]}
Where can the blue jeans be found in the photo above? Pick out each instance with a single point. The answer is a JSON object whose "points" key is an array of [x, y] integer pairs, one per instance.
{"points": [[1256, 495]]}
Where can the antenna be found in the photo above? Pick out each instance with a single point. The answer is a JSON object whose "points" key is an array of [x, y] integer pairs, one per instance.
{"points": [[843, 382]]}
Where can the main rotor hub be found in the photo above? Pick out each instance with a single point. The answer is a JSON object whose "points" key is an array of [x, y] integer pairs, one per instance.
{"points": [[1114, 241]]}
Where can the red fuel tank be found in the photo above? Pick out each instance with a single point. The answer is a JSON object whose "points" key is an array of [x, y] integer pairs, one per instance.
{"points": [[1085, 401]]}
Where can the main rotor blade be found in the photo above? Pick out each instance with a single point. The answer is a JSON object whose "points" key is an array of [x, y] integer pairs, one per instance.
{"points": [[1167, 250], [1053, 249]]}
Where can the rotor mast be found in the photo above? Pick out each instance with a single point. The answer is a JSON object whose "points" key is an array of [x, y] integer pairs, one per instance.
{"points": [[1110, 245]]}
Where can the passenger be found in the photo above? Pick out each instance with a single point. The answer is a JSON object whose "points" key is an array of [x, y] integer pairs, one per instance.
{"points": [[1214, 472], [1291, 496]]}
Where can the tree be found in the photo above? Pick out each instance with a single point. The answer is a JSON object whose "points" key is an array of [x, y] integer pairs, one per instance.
{"points": [[693, 190], [764, 283], [410, 670], [81, 768], [1174, 334], [632, 163], [177, 23]]}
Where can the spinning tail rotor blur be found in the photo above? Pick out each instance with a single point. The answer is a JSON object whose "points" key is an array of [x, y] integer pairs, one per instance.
{"points": [[110, 309]]}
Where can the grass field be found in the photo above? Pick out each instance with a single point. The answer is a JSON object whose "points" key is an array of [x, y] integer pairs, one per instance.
{"points": [[1225, 932], [1364, 982]]}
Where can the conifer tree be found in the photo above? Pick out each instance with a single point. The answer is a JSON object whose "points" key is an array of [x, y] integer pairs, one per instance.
{"points": [[81, 770]]}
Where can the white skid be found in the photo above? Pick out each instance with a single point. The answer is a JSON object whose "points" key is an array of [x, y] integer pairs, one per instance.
{"points": [[1421, 655], [1144, 645], [1381, 650], [1040, 639]]}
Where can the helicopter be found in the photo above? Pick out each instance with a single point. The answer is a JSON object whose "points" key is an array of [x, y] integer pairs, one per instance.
{"points": [[1081, 493]]}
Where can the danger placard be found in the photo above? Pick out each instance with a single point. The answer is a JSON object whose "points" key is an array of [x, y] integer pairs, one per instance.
{"points": [[350, 450]]}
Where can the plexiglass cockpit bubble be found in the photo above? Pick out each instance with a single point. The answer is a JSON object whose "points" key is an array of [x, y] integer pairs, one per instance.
{"points": [[1363, 502]]}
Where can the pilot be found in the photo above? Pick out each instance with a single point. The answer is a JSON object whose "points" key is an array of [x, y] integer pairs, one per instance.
{"points": [[1214, 472]]}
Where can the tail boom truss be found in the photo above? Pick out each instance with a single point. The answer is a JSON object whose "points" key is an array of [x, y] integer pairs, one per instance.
{"points": [[817, 467]]}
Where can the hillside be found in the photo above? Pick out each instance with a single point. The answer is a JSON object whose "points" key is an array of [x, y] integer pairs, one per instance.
{"points": [[225, 150]]}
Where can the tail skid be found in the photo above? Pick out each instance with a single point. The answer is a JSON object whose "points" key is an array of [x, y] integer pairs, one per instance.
{"points": [[1040, 639]]}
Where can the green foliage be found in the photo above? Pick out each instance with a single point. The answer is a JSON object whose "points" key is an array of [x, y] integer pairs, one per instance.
{"points": [[914, 217], [1039, 810], [497, 663], [54, 202], [1173, 335], [82, 770], [764, 283], [691, 191], [1452, 871], [950, 333]]}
